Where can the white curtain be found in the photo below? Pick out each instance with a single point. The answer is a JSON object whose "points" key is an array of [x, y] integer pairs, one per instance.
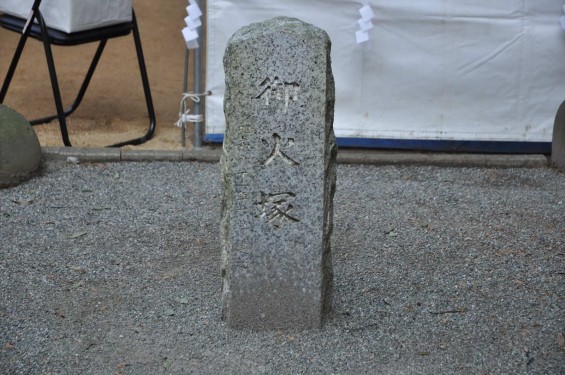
{"points": [[477, 70]]}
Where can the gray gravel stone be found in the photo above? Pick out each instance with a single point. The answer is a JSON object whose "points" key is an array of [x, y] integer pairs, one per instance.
{"points": [[436, 270]]}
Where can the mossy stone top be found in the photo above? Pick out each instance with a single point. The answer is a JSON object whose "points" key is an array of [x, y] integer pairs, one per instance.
{"points": [[20, 151]]}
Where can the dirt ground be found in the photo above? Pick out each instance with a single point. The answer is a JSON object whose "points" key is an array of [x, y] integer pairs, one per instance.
{"points": [[114, 108]]}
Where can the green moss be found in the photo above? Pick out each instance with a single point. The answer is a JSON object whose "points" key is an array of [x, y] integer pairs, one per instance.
{"points": [[20, 152]]}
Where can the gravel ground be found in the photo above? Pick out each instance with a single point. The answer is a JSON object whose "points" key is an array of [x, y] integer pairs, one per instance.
{"points": [[114, 269]]}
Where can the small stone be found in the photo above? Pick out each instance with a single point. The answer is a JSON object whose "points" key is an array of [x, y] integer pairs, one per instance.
{"points": [[73, 160], [561, 340], [20, 151], [169, 312]]}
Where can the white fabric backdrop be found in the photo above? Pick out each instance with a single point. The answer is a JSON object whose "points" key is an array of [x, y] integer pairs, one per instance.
{"points": [[436, 69]]}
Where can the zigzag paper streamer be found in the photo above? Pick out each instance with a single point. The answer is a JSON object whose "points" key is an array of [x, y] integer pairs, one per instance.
{"points": [[365, 23], [193, 22]]}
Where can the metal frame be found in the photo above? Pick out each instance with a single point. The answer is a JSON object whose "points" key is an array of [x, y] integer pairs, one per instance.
{"points": [[198, 110], [494, 147], [49, 36]]}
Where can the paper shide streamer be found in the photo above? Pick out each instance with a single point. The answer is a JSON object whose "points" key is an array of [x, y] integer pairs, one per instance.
{"points": [[190, 35], [193, 22], [365, 24]]}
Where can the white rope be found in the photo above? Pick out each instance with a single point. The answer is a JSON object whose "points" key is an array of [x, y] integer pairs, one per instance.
{"points": [[186, 116]]}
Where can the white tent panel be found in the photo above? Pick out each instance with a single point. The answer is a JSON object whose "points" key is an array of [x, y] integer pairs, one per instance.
{"points": [[472, 70]]}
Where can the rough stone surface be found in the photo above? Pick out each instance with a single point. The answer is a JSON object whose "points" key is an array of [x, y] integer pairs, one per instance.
{"points": [[278, 173], [558, 142], [20, 152]]}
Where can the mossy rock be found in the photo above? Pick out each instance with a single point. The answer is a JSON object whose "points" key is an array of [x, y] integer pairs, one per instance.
{"points": [[20, 152], [558, 143]]}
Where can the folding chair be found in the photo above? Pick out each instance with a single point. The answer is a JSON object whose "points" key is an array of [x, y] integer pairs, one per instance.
{"points": [[51, 36]]}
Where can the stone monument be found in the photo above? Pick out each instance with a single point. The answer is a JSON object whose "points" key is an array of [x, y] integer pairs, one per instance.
{"points": [[20, 152], [278, 175]]}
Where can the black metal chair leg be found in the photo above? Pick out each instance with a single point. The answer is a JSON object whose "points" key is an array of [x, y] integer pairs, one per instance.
{"points": [[82, 90], [12, 68], [54, 82], [18, 53], [49, 37], [146, 89]]}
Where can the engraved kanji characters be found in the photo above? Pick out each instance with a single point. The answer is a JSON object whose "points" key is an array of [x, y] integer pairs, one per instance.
{"points": [[275, 89], [276, 207], [278, 148]]}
